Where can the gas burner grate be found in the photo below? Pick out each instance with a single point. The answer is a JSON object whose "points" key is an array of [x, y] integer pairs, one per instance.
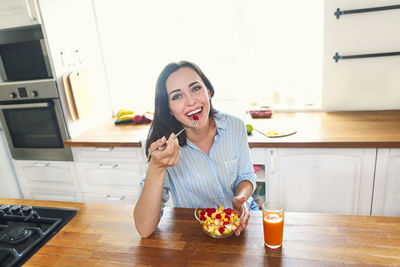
{"points": [[23, 230], [16, 235]]}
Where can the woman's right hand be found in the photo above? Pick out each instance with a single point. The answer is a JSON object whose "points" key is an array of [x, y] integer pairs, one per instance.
{"points": [[167, 157]]}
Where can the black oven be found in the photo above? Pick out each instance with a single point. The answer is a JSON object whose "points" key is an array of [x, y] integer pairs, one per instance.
{"points": [[23, 54], [33, 121]]}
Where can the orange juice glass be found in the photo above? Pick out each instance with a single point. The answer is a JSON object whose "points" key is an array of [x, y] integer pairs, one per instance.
{"points": [[273, 220]]}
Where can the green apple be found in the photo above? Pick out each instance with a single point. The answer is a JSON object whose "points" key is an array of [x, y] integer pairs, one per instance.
{"points": [[249, 128]]}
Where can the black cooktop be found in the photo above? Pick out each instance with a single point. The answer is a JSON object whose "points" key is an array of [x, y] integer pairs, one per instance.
{"points": [[25, 229]]}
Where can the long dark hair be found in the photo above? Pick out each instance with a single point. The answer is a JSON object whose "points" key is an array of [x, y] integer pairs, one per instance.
{"points": [[164, 123]]}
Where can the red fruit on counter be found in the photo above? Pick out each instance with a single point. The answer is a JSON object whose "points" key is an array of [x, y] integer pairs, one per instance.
{"points": [[137, 119], [148, 117]]}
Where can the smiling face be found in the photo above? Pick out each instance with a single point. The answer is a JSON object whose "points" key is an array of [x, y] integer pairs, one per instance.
{"points": [[187, 96]]}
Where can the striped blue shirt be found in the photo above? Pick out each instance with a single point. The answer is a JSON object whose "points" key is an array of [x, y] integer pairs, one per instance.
{"points": [[199, 176]]}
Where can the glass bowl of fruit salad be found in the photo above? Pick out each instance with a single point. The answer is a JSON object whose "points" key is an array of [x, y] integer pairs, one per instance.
{"points": [[219, 217]]}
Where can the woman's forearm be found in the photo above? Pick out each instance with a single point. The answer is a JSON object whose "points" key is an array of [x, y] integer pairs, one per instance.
{"points": [[147, 209], [244, 188]]}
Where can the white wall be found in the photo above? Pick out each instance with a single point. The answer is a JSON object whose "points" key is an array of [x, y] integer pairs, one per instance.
{"points": [[368, 83], [248, 56]]}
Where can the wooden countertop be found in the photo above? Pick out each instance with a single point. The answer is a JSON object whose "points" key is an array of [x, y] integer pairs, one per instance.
{"points": [[108, 134], [104, 235], [352, 129]]}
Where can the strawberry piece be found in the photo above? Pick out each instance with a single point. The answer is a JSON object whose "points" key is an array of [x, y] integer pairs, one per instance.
{"points": [[213, 210], [196, 117], [202, 213], [227, 216], [208, 209], [209, 213], [218, 216], [221, 229], [228, 211], [226, 222], [202, 218]]}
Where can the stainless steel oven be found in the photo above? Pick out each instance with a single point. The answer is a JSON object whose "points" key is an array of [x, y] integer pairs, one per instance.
{"points": [[23, 54], [33, 121]]}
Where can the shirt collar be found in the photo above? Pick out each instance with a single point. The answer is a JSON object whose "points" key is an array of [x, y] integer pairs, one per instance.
{"points": [[220, 120], [220, 123]]}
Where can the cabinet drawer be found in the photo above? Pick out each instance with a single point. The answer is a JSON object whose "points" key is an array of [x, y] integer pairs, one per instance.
{"points": [[45, 173], [48, 180], [101, 177], [112, 197], [108, 154]]}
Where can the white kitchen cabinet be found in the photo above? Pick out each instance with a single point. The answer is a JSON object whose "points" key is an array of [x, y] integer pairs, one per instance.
{"points": [[71, 33], [18, 13], [386, 200], [257, 155], [109, 174], [48, 180], [327, 180], [120, 197], [108, 154], [9, 185], [115, 181]]}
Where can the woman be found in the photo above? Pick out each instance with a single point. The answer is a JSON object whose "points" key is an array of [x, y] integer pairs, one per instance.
{"points": [[209, 161]]}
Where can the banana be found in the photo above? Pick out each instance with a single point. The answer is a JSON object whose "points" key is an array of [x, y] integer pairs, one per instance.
{"points": [[125, 117], [120, 111], [123, 112]]}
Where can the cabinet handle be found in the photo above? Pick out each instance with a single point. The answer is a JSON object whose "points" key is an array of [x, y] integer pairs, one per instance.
{"points": [[104, 149], [108, 197], [42, 165], [271, 162], [108, 166]]}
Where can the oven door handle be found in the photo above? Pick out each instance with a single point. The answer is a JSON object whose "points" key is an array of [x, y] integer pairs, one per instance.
{"points": [[19, 106]]}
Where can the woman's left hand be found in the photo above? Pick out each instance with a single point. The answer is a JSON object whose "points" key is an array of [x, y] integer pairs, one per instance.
{"points": [[245, 216]]}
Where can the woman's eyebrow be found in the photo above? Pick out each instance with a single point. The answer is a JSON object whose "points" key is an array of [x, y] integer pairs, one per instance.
{"points": [[173, 91], [193, 83]]}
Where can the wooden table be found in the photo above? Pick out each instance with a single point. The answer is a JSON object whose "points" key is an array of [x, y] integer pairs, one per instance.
{"points": [[104, 235]]}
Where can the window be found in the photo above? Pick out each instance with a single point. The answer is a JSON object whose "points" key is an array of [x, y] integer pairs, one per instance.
{"points": [[269, 52]]}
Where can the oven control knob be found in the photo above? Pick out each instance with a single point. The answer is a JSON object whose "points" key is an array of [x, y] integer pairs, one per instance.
{"points": [[16, 209], [13, 95], [27, 210], [33, 94], [5, 208]]}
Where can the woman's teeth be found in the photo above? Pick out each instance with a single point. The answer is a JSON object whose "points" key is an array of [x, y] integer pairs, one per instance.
{"points": [[193, 112]]}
